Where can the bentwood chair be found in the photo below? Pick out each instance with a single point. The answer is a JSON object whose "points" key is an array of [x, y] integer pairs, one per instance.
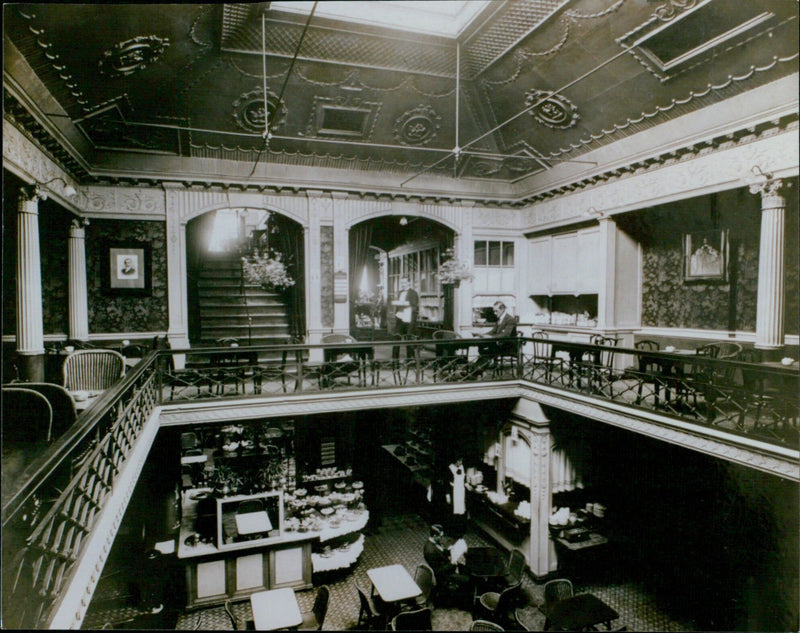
{"points": [[238, 623], [497, 605], [61, 402], [418, 620], [555, 590], [450, 360], [648, 371], [426, 581], [314, 619], [27, 416], [543, 358], [515, 568], [339, 364], [485, 625], [93, 369], [369, 614]]}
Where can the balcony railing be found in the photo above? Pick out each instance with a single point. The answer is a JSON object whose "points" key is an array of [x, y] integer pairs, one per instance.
{"points": [[47, 522]]}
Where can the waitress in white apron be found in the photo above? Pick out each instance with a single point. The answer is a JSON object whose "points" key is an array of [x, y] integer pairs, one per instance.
{"points": [[457, 499]]}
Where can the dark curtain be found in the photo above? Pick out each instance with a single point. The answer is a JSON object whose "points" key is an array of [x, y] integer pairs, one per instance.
{"points": [[360, 239], [286, 237], [198, 238]]}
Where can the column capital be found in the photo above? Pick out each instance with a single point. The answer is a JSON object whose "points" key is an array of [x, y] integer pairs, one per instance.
{"points": [[78, 224], [768, 187]]}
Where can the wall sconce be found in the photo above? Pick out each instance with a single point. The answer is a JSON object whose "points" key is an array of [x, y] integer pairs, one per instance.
{"points": [[37, 190], [403, 221]]}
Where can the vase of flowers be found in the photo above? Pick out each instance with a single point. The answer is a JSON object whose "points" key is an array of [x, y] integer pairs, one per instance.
{"points": [[452, 270], [268, 271]]}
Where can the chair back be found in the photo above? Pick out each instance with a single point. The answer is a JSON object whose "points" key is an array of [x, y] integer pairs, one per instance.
{"points": [[728, 351], [507, 597], [418, 620], [555, 590], [331, 339], [541, 345], [93, 369], [516, 565], [250, 505], [27, 416], [61, 403], [132, 351], [646, 364], [604, 357], [440, 335], [320, 607], [425, 579], [647, 345], [485, 625]]}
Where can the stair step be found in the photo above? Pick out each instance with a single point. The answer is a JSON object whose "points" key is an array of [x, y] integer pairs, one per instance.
{"points": [[239, 319], [254, 311], [241, 331]]}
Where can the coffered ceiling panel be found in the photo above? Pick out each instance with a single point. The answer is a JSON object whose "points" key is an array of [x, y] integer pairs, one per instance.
{"points": [[539, 81]]}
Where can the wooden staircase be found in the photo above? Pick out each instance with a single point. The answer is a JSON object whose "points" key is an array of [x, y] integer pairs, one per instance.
{"points": [[232, 308]]}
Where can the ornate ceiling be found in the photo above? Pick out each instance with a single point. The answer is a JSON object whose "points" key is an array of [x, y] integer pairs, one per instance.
{"points": [[150, 91]]}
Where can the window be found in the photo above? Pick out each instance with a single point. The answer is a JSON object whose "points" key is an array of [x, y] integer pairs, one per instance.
{"points": [[494, 254]]}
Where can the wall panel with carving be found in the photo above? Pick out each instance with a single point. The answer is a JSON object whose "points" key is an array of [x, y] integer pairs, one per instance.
{"points": [[326, 275], [121, 313]]}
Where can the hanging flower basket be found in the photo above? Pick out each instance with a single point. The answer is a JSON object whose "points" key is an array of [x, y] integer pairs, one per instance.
{"points": [[268, 271], [452, 271]]}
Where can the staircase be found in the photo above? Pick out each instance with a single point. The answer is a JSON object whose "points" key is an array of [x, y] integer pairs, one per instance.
{"points": [[227, 302]]}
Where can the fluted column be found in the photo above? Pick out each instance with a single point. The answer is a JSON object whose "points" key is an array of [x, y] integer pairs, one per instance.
{"points": [[78, 302], [770, 306], [30, 327]]}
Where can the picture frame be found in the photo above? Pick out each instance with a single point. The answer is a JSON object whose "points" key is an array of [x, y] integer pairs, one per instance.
{"points": [[705, 256], [127, 268]]}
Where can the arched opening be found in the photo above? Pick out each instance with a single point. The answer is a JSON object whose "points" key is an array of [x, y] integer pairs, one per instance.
{"points": [[384, 250], [229, 299]]}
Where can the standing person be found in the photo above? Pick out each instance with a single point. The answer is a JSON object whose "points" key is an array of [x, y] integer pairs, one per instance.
{"points": [[406, 311], [457, 498], [407, 308]]}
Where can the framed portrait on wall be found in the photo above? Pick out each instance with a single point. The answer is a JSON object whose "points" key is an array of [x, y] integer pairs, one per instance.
{"points": [[705, 255], [127, 268]]}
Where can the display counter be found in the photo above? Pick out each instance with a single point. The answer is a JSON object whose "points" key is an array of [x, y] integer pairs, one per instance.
{"points": [[503, 518], [285, 555]]}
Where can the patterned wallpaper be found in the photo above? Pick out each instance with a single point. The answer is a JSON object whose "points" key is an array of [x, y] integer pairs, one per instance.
{"points": [[667, 301], [326, 275], [126, 314]]}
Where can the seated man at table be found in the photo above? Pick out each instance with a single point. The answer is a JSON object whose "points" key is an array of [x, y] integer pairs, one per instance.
{"points": [[505, 327], [444, 557]]}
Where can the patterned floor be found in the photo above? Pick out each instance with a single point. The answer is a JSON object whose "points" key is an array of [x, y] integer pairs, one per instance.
{"points": [[400, 539]]}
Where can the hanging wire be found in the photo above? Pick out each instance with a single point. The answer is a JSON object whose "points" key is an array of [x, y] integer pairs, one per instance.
{"points": [[265, 144]]}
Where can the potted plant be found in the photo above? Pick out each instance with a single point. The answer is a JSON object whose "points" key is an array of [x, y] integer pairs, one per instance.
{"points": [[268, 271], [452, 270]]}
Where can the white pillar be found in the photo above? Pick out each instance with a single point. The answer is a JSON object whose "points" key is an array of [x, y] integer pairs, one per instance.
{"points": [[78, 302], [464, 248], [313, 245], [341, 264], [770, 306], [541, 554], [30, 326]]}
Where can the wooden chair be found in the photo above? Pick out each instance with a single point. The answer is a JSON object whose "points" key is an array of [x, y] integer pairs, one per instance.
{"points": [[597, 365], [648, 372], [515, 568], [369, 613], [543, 356], [338, 364], [238, 623], [93, 369], [61, 402], [314, 619], [450, 360], [417, 620], [507, 356]]}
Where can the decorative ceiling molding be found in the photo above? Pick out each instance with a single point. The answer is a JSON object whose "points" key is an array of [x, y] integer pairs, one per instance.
{"points": [[248, 111], [133, 55], [556, 112], [418, 126]]}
